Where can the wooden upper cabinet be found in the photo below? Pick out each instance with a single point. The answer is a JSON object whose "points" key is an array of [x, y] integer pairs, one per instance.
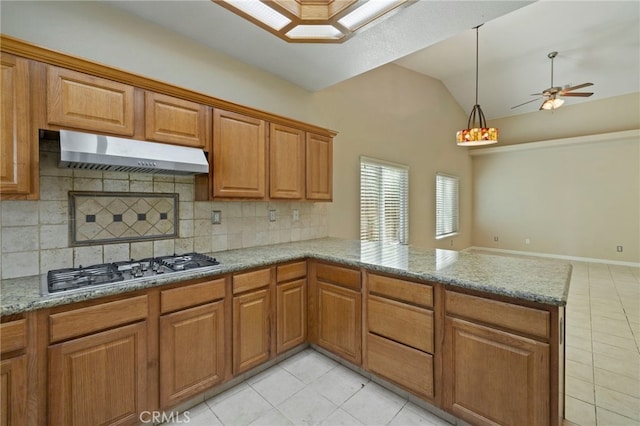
{"points": [[173, 120], [239, 155], [89, 103], [15, 145], [319, 167], [286, 162]]}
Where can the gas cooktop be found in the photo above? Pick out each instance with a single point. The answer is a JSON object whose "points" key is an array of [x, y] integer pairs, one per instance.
{"points": [[64, 280]]}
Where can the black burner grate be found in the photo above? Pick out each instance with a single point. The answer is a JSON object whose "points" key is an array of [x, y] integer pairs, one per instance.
{"points": [[71, 278]]}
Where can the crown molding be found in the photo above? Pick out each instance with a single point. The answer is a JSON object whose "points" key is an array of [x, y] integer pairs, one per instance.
{"points": [[554, 143]]}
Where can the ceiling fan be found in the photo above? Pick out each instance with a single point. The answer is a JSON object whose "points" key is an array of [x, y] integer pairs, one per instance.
{"points": [[552, 94]]}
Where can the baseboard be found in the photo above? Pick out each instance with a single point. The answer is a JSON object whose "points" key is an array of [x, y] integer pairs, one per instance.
{"points": [[555, 256]]}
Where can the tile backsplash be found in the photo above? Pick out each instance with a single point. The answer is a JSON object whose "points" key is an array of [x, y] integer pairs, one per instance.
{"points": [[113, 217], [35, 235]]}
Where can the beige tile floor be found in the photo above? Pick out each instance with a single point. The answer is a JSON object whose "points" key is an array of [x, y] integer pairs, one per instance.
{"points": [[602, 372], [602, 346], [309, 389]]}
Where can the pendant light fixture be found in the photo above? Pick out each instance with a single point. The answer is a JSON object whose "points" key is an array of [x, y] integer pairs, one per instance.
{"points": [[475, 135]]}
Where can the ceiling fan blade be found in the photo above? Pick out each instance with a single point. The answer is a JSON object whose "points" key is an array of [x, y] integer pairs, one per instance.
{"points": [[578, 94], [579, 86], [524, 103]]}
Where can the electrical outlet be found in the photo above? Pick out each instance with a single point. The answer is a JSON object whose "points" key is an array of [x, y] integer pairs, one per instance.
{"points": [[216, 217], [296, 215], [272, 215], [496, 239], [527, 241], [619, 249]]}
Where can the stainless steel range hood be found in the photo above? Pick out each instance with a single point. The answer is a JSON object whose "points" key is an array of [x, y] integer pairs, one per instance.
{"points": [[98, 152]]}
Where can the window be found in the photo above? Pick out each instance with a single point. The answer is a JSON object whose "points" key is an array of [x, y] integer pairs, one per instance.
{"points": [[384, 201], [446, 205]]}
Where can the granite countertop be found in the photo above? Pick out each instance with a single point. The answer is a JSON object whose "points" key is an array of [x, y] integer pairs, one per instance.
{"points": [[544, 281]]}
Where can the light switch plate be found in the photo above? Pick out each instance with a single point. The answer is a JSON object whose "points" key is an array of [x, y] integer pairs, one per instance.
{"points": [[216, 217]]}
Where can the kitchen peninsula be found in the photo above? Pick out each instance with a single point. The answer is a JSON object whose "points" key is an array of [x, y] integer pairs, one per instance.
{"points": [[439, 324]]}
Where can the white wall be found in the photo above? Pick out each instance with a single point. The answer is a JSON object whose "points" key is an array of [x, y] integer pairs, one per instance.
{"points": [[395, 114], [581, 199]]}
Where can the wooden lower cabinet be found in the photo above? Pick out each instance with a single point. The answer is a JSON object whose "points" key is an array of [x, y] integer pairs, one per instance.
{"points": [[99, 379], [339, 321], [494, 377], [13, 393], [291, 314], [251, 330], [192, 352], [13, 373], [400, 328]]}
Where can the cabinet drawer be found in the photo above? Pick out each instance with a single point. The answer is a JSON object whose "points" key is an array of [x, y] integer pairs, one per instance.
{"points": [[291, 271], [405, 366], [407, 291], [191, 295], [251, 280], [81, 321], [513, 317], [13, 335], [403, 323], [338, 275]]}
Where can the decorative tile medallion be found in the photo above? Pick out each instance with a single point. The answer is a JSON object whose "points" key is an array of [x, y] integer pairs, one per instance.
{"points": [[115, 217]]}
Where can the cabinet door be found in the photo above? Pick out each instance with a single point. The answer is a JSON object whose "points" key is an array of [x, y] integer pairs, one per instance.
{"points": [[319, 167], [239, 155], [251, 340], [291, 314], [13, 393], [339, 321], [99, 379], [286, 162], [493, 377], [173, 120], [86, 102], [192, 352], [14, 127]]}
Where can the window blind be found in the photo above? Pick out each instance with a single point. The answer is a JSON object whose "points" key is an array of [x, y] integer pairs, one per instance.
{"points": [[384, 201], [446, 205]]}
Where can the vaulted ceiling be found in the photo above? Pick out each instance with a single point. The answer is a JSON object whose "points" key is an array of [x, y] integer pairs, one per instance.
{"points": [[597, 41]]}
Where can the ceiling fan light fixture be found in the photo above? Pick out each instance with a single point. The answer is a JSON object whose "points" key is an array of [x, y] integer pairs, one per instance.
{"points": [[552, 103], [480, 134]]}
